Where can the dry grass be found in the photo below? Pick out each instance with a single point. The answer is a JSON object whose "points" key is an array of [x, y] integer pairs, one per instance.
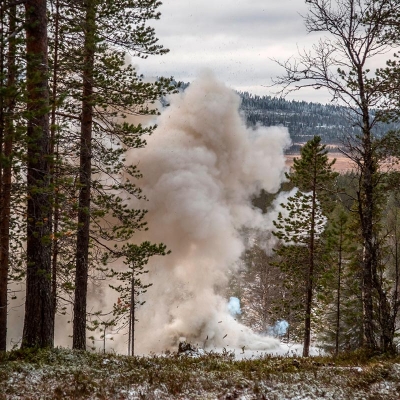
{"points": [[66, 374], [342, 164]]}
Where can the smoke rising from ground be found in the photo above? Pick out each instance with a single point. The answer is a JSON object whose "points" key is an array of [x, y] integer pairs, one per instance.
{"points": [[201, 168], [234, 306]]}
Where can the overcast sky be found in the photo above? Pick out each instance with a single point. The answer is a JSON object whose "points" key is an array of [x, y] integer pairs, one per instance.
{"points": [[235, 38]]}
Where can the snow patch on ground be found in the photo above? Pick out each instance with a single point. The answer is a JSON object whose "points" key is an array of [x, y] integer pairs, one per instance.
{"points": [[288, 350]]}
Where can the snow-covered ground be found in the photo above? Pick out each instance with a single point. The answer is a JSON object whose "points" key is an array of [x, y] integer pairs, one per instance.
{"points": [[65, 374], [288, 350]]}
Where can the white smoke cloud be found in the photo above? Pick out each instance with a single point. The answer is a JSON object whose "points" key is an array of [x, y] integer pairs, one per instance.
{"points": [[201, 167]]}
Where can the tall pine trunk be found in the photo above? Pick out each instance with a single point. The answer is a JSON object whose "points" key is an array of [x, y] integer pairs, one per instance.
{"points": [[38, 323], [53, 147], [82, 246], [3, 272], [310, 274], [6, 176], [131, 332], [338, 294]]}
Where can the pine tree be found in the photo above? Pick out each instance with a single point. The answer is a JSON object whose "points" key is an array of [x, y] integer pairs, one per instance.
{"points": [[38, 324], [338, 295], [302, 227], [12, 157], [7, 106], [131, 286], [95, 94], [85, 173], [101, 180]]}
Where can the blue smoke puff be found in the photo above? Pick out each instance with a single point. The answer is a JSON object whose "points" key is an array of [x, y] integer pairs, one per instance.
{"points": [[234, 306]]}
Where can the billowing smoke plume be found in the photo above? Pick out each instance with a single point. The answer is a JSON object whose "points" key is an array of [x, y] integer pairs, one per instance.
{"points": [[201, 168]]}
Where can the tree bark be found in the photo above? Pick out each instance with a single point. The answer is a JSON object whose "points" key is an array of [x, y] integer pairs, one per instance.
{"points": [[131, 346], [367, 210], [6, 178], [338, 292], [82, 247], [310, 275], [3, 271], [53, 146], [38, 325]]}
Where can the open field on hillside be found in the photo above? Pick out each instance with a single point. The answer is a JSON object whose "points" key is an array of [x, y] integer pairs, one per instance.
{"points": [[343, 164]]}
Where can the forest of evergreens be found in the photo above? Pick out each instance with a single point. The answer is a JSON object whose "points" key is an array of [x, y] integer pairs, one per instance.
{"points": [[66, 94], [272, 283], [67, 101], [355, 296], [304, 120]]}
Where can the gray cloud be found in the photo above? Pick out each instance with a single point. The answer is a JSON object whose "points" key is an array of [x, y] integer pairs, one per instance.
{"points": [[235, 18], [235, 38]]}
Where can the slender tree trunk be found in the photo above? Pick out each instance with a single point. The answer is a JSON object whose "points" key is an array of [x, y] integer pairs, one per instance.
{"points": [[3, 271], [82, 247], [366, 206], [397, 273], [6, 178], [388, 308], [54, 145], [309, 298], [395, 297], [132, 319], [38, 324], [129, 332], [338, 294], [104, 338], [366, 210], [310, 275]]}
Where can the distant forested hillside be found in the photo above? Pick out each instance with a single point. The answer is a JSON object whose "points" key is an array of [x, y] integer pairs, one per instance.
{"points": [[304, 120]]}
